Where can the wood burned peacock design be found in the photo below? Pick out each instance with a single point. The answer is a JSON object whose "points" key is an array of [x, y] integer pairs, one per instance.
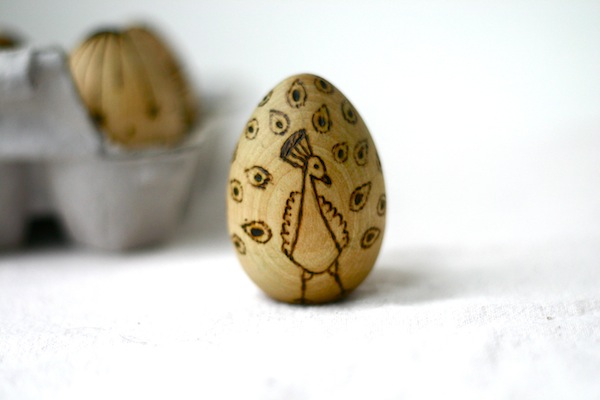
{"points": [[313, 231]]}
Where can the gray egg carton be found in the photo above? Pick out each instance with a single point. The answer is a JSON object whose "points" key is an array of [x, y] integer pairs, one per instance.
{"points": [[53, 160]]}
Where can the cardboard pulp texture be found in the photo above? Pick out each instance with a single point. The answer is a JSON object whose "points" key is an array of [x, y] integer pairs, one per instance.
{"points": [[53, 160]]}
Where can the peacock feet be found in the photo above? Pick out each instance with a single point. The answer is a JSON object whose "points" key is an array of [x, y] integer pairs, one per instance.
{"points": [[305, 276], [333, 271]]}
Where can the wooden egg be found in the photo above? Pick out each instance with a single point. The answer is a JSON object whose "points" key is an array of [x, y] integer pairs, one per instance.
{"points": [[306, 199], [134, 88], [9, 40]]}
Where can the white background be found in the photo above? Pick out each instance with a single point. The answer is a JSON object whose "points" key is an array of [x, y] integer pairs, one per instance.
{"points": [[487, 120]]}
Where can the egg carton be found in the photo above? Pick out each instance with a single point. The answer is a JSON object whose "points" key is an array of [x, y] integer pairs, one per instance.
{"points": [[53, 160]]}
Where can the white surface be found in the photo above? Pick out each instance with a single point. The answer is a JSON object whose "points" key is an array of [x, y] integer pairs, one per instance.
{"points": [[429, 322], [487, 119]]}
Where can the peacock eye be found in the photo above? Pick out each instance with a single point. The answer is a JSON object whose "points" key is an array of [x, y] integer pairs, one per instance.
{"points": [[265, 99], [321, 121], [251, 129], [340, 152], [239, 244], [258, 177], [258, 231], [316, 166], [278, 122], [359, 197], [381, 205], [237, 192], [369, 237], [349, 113], [323, 86], [296, 96], [361, 152]]}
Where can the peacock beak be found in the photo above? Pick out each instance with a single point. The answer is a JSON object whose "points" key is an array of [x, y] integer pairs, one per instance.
{"points": [[326, 179]]}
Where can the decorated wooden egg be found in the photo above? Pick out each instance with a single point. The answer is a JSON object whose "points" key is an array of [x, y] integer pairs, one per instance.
{"points": [[134, 88], [306, 198]]}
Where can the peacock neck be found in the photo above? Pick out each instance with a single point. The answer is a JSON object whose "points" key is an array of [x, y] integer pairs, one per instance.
{"points": [[310, 202]]}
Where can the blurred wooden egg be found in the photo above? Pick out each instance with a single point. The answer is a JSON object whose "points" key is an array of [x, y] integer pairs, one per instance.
{"points": [[306, 200], [9, 40], [134, 88]]}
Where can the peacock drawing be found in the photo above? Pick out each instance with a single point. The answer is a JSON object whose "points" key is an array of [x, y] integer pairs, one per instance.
{"points": [[313, 231]]}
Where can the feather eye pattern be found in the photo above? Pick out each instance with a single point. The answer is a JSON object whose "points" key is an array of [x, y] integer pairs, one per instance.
{"points": [[370, 237], [361, 152], [258, 177], [279, 122], [237, 191], [265, 99], [296, 96], [238, 244], [349, 112], [258, 231], [340, 152], [323, 86], [359, 197], [381, 204], [251, 129], [321, 120]]}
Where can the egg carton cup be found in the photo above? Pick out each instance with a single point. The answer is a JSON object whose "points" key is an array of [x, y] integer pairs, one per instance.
{"points": [[53, 160]]}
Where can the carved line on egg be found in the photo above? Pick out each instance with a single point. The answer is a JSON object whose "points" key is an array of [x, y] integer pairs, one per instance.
{"points": [[381, 205], [340, 152], [152, 108], [239, 244], [94, 103], [321, 120], [258, 176], [359, 197], [258, 231], [296, 95], [369, 237], [361, 152], [378, 162], [252, 129], [279, 122], [298, 238], [349, 112], [323, 86], [236, 190], [292, 207]]}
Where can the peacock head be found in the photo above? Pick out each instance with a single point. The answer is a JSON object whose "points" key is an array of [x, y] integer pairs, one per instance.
{"points": [[297, 151], [315, 168]]}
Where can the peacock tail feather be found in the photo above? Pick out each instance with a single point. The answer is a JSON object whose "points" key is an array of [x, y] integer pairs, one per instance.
{"points": [[289, 227], [336, 223]]}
